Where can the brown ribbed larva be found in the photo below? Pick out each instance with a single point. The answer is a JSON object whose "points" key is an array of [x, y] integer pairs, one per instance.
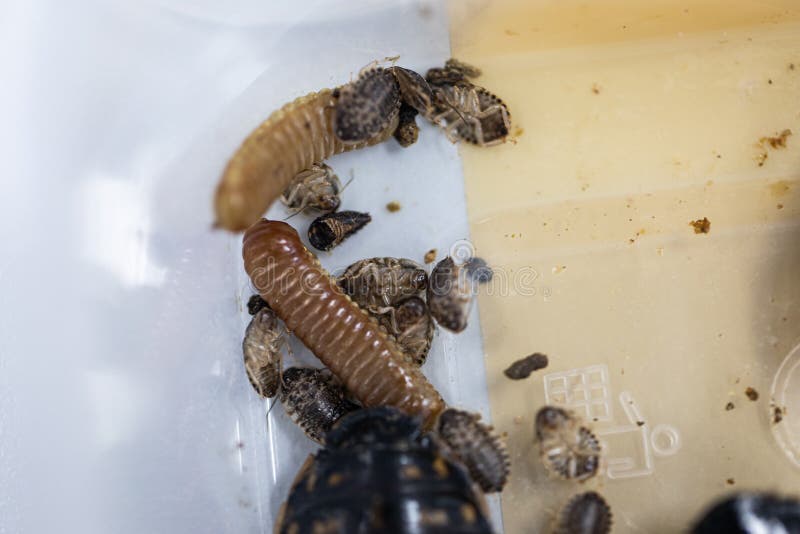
{"points": [[350, 343], [477, 446], [450, 292], [291, 140], [587, 513], [314, 399], [568, 448], [262, 345]]}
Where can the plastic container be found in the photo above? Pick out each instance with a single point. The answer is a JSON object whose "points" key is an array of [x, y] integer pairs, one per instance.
{"points": [[123, 402]]}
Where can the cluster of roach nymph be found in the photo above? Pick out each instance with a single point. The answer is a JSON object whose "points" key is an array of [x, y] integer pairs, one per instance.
{"points": [[394, 457]]}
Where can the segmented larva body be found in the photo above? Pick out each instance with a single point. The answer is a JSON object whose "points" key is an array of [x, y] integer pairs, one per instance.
{"points": [[350, 343], [291, 140]]}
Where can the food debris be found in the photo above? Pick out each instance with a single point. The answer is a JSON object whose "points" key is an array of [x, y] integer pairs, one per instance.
{"points": [[751, 393], [595, 89], [701, 226], [523, 368], [778, 141], [779, 188], [393, 206], [730, 482], [777, 414], [639, 423], [558, 268], [511, 33], [779, 206], [729, 407], [430, 256]]}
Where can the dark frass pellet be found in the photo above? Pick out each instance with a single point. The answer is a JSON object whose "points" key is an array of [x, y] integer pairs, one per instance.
{"points": [[523, 368]]}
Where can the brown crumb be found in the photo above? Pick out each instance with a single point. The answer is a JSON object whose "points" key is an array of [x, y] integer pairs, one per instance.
{"points": [[777, 414], [393, 206], [430, 256], [523, 368], [751, 393], [730, 482], [729, 407], [701, 226], [779, 206], [639, 423], [595, 89], [778, 141], [769, 81]]}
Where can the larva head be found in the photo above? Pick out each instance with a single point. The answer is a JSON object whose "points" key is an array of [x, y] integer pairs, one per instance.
{"points": [[261, 244], [234, 208], [366, 106]]}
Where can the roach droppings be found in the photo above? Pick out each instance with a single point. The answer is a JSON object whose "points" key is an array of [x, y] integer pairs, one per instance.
{"points": [[393, 206], [751, 393], [777, 414], [523, 368], [730, 482], [729, 407]]}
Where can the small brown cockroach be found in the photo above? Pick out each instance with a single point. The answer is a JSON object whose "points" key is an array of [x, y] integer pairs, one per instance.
{"points": [[453, 72], [328, 231], [471, 113], [478, 270], [450, 295], [314, 399], [523, 368], [568, 448], [347, 340], [477, 446], [407, 131], [367, 106], [314, 189], [414, 90], [586, 513], [255, 303], [376, 283], [411, 325], [262, 345]]}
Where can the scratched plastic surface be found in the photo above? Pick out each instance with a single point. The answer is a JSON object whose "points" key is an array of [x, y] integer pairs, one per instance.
{"points": [[124, 406], [637, 118]]}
